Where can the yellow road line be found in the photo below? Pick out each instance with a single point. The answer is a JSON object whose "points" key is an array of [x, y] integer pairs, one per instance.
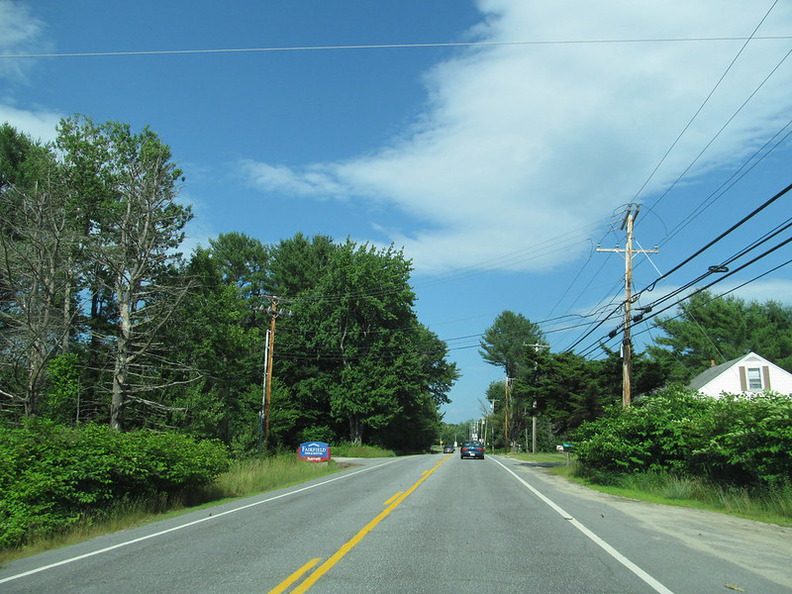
{"points": [[352, 542], [389, 501], [284, 585]]}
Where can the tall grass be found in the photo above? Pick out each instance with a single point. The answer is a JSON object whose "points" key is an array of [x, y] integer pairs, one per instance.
{"points": [[348, 450], [548, 458], [254, 475], [769, 504]]}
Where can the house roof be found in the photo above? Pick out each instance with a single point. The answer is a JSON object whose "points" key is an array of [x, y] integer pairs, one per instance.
{"points": [[702, 379]]}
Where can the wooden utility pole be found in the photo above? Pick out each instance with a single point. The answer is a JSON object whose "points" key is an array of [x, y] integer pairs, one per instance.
{"points": [[269, 346], [536, 348], [507, 389], [628, 251]]}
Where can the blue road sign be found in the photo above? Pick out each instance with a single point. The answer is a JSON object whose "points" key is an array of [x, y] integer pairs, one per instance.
{"points": [[314, 451]]}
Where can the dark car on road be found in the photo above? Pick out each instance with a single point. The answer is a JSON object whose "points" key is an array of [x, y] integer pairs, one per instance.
{"points": [[448, 449], [472, 449]]}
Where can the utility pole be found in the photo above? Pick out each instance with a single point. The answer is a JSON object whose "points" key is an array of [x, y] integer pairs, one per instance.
{"points": [[491, 425], [506, 411], [536, 347], [628, 224], [269, 346]]}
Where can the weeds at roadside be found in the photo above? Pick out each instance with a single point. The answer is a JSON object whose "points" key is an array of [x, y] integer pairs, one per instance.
{"points": [[348, 450], [771, 505]]}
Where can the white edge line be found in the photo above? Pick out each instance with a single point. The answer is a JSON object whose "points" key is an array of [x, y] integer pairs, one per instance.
{"points": [[188, 524], [652, 582]]}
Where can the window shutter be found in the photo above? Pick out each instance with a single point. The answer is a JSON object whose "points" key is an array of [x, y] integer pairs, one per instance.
{"points": [[766, 377], [743, 380]]}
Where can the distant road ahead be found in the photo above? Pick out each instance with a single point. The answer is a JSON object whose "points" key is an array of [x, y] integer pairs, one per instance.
{"points": [[423, 524]]}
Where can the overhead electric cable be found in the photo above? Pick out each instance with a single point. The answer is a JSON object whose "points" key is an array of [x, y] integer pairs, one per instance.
{"points": [[720, 279], [382, 46], [718, 133], [559, 243], [728, 274], [730, 182], [571, 348], [732, 290], [571, 284], [731, 229], [711, 270], [580, 271], [703, 104]]}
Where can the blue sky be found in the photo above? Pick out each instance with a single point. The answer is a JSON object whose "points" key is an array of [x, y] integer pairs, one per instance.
{"points": [[497, 165]]}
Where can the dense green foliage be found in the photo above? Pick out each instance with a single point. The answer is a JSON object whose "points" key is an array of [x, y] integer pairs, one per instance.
{"points": [[718, 330], [565, 389], [88, 232], [733, 440], [506, 342], [53, 476], [455, 432], [103, 320], [569, 389]]}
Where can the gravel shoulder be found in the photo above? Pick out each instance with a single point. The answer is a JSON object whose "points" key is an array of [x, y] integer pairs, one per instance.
{"points": [[764, 549]]}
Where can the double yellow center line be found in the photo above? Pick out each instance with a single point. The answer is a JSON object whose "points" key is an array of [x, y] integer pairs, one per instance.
{"points": [[391, 504]]}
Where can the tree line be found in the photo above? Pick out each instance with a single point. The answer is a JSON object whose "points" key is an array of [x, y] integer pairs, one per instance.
{"points": [[565, 390], [103, 319]]}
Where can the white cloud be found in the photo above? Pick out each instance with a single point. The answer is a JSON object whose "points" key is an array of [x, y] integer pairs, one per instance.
{"points": [[39, 125], [20, 31], [779, 290], [522, 144], [17, 25], [314, 181]]}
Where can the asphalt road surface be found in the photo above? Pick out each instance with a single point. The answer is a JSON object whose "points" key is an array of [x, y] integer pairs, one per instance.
{"points": [[430, 523]]}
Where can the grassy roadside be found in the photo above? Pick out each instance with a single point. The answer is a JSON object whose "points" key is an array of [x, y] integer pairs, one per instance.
{"points": [[244, 478], [348, 450], [773, 507]]}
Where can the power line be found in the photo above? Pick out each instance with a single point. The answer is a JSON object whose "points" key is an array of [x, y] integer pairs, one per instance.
{"points": [[704, 288], [703, 206], [703, 104], [556, 243], [550, 246], [383, 46], [732, 290], [728, 231], [728, 274], [711, 270], [591, 331], [718, 133], [580, 272], [612, 291], [730, 182]]}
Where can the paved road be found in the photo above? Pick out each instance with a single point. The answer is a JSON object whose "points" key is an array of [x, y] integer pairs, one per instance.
{"points": [[415, 524]]}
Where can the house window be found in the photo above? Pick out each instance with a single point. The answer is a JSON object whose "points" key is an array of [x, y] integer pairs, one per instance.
{"points": [[754, 378]]}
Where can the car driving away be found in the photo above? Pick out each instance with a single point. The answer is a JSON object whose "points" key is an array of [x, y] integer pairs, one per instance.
{"points": [[472, 449], [448, 448]]}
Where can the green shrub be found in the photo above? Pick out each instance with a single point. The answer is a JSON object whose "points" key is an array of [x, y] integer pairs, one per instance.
{"points": [[52, 476], [733, 440], [656, 435], [749, 441]]}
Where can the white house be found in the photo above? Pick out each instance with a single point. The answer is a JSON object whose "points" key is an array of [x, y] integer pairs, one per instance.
{"points": [[745, 375]]}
